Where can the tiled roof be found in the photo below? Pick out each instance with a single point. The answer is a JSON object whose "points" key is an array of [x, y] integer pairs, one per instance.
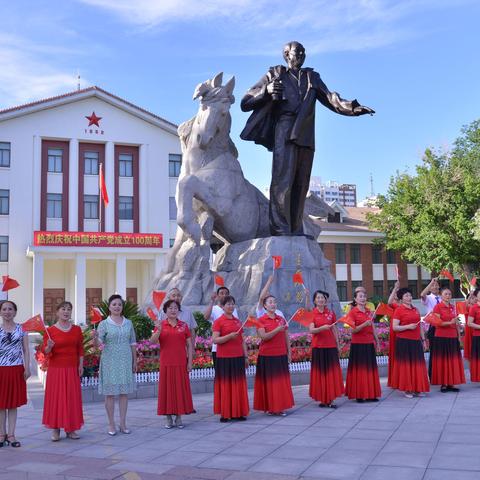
{"points": [[355, 222], [80, 92]]}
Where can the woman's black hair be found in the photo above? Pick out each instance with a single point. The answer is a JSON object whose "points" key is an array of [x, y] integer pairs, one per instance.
{"points": [[266, 298], [402, 291], [64, 304], [13, 304], [321, 292], [445, 288], [227, 299], [219, 289], [168, 303], [113, 297]]}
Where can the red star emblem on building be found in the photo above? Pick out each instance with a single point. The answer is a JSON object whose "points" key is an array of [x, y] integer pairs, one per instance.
{"points": [[93, 119]]}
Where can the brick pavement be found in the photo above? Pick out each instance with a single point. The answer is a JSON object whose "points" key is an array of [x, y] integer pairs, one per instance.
{"points": [[430, 438]]}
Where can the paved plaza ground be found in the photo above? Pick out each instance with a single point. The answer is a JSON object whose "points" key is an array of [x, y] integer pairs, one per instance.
{"points": [[437, 437]]}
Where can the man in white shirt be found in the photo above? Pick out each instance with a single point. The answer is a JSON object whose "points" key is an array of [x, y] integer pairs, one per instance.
{"points": [[214, 311], [430, 296]]}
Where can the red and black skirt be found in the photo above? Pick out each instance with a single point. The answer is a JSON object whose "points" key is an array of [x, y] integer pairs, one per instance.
{"points": [[326, 380], [62, 407], [467, 342], [362, 373], [174, 393], [273, 389], [13, 390], [447, 362], [409, 369], [230, 394], [475, 360]]}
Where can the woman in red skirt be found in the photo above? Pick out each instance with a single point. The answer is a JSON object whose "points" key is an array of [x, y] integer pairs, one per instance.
{"points": [[467, 339], [63, 395], [174, 393], [473, 321], [273, 390], [363, 382], [326, 380], [447, 362], [409, 370], [14, 371], [230, 398]]}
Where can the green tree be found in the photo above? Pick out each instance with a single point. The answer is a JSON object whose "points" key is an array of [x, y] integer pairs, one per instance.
{"points": [[431, 217]]}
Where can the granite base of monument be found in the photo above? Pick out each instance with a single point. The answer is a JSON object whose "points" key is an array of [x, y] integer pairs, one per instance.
{"points": [[246, 266]]}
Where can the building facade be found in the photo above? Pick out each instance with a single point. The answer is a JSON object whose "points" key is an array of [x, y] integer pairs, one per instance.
{"points": [[57, 238], [345, 194]]}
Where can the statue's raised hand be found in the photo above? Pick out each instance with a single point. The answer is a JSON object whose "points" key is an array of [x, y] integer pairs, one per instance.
{"points": [[362, 110]]}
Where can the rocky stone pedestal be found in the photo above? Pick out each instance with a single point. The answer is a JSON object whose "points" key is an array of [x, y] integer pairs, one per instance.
{"points": [[246, 266]]}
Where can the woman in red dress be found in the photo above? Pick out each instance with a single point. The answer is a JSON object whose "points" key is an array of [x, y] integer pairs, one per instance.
{"points": [[63, 395], [447, 362], [473, 321], [409, 370], [467, 339], [326, 380], [363, 383], [230, 397], [273, 389], [14, 371], [174, 393]]}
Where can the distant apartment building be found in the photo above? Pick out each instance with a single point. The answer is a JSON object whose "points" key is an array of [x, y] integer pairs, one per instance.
{"points": [[345, 194]]}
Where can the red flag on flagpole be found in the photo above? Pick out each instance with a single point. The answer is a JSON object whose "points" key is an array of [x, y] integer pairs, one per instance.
{"points": [[297, 278], [219, 281], [473, 281], [384, 309], [95, 316], [433, 319], [277, 261], [102, 185], [447, 274], [158, 298], [34, 324], [461, 308], [347, 321], [303, 317], [151, 314], [9, 283], [252, 322]]}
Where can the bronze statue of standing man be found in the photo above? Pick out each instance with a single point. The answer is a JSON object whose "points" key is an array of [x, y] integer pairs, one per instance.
{"points": [[283, 121]]}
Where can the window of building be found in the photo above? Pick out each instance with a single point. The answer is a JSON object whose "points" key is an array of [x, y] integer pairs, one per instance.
{"points": [[3, 248], [457, 292], [377, 254], [355, 253], [378, 288], [125, 208], [340, 253], [174, 164], [91, 163], [4, 202], [4, 154], [125, 165], [412, 285], [90, 206], [391, 258], [390, 285], [172, 241], [172, 208], [55, 156], [342, 291], [54, 205]]}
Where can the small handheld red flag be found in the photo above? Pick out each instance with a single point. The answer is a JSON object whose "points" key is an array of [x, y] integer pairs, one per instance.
{"points": [[95, 316], [219, 281], [34, 324], [433, 319], [461, 308], [277, 261], [447, 274], [158, 298], [347, 321], [151, 314], [9, 283], [297, 278], [252, 322], [303, 317], [473, 281], [102, 185], [384, 309]]}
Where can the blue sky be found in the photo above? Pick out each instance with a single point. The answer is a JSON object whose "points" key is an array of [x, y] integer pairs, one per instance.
{"points": [[415, 62]]}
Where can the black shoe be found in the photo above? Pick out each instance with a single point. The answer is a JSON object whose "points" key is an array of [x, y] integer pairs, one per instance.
{"points": [[444, 389], [451, 388], [360, 400], [194, 411], [372, 400], [322, 405], [224, 420], [240, 419], [331, 405]]}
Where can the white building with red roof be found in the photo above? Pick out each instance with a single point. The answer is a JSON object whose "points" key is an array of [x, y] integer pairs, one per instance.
{"points": [[57, 238]]}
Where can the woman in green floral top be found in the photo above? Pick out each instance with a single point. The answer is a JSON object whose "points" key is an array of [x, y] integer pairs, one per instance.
{"points": [[118, 362]]}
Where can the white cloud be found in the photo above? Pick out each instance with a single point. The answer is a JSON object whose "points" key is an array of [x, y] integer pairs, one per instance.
{"points": [[28, 72]]}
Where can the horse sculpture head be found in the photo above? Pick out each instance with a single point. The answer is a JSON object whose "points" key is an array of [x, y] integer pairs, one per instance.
{"points": [[213, 114]]}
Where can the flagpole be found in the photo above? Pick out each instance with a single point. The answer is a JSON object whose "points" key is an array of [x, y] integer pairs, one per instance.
{"points": [[100, 198]]}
